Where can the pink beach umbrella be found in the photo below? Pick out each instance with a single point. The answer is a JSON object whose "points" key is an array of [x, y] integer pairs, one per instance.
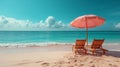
{"points": [[87, 21]]}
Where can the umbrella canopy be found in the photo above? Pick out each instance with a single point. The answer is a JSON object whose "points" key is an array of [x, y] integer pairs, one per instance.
{"points": [[87, 21]]}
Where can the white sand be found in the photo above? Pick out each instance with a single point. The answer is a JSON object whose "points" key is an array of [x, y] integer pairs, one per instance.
{"points": [[55, 56]]}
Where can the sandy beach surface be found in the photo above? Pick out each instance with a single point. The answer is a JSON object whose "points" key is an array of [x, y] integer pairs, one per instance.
{"points": [[57, 56]]}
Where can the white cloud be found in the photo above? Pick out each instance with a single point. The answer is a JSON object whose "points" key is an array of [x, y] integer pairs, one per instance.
{"points": [[117, 25], [52, 23], [7, 23]]}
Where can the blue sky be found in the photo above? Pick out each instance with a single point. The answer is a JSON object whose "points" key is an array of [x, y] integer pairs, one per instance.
{"points": [[56, 14]]}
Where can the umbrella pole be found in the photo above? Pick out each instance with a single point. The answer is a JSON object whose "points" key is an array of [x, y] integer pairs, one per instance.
{"points": [[87, 35], [86, 31]]}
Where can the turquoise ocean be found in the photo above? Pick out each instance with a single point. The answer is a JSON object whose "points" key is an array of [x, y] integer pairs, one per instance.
{"points": [[54, 37]]}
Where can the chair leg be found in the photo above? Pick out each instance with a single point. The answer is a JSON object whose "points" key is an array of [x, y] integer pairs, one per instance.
{"points": [[76, 51], [104, 52], [93, 51], [85, 51]]}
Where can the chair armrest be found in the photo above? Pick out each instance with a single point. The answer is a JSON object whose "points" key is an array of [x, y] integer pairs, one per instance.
{"points": [[103, 49]]}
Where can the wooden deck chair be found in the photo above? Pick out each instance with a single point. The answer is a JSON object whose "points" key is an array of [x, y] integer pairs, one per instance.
{"points": [[97, 44], [79, 46]]}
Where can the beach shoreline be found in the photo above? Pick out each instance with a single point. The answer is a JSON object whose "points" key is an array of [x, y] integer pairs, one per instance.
{"points": [[39, 44]]}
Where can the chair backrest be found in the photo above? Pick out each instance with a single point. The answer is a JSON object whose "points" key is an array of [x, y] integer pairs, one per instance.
{"points": [[97, 43], [80, 43]]}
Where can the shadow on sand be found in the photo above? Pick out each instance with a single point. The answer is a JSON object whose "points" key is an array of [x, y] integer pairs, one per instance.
{"points": [[114, 53]]}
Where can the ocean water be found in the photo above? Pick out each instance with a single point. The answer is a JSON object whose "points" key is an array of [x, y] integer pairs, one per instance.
{"points": [[55, 37]]}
